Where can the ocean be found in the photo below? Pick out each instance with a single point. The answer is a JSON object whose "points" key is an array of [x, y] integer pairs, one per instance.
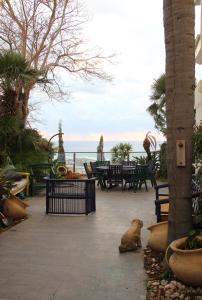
{"points": [[91, 146], [86, 151]]}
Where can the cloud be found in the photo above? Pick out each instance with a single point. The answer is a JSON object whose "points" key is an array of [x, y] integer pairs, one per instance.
{"points": [[134, 30], [116, 136]]}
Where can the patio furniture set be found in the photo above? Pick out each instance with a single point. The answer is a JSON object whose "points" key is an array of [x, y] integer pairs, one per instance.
{"points": [[126, 174]]}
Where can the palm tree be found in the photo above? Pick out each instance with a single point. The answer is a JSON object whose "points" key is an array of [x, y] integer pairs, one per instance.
{"points": [[157, 108], [15, 78], [121, 152], [180, 77]]}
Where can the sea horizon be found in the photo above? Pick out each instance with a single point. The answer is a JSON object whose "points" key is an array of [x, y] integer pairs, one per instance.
{"points": [[91, 146], [78, 152]]}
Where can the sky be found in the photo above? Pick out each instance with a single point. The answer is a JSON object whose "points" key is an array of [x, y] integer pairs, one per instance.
{"points": [[117, 110]]}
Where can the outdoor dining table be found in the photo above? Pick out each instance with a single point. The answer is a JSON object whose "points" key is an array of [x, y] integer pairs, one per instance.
{"points": [[128, 173], [124, 167], [104, 175]]}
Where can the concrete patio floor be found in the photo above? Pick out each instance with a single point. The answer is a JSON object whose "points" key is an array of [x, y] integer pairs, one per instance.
{"points": [[50, 257]]}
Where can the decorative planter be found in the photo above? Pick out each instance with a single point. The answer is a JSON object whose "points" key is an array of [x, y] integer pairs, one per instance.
{"points": [[14, 209], [185, 264], [158, 236], [18, 201]]}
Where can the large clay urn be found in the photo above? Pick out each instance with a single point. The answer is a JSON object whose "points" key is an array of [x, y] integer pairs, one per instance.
{"points": [[158, 236], [186, 264]]}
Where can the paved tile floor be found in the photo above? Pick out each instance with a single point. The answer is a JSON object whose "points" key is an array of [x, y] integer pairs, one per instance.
{"points": [[51, 257]]}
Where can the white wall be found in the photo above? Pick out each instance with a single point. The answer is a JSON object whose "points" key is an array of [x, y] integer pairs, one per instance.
{"points": [[198, 103]]}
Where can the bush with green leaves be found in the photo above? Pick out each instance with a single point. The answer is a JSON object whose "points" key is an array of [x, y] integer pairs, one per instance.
{"points": [[121, 152], [197, 145], [162, 170], [22, 146], [140, 160]]}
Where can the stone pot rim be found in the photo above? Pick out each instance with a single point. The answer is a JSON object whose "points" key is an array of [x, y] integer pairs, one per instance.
{"points": [[157, 225], [176, 243]]}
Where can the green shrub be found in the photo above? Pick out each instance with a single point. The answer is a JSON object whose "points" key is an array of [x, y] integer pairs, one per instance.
{"points": [[121, 152], [197, 145], [162, 171], [22, 146]]}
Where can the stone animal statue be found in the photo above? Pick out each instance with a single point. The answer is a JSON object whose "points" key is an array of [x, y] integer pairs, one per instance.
{"points": [[131, 240]]}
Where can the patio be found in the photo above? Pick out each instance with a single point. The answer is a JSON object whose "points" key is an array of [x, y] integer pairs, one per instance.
{"points": [[51, 257]]}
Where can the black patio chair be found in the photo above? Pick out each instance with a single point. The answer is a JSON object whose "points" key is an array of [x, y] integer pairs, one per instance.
{"points": [[115, 175], [101, 175], [88, 170], [37, 174], [142, 171], [131, 177], [103, 163], [152, 167], [129, 163]]}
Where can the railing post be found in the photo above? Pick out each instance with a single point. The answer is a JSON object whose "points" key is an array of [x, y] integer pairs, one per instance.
{"points": [[74, 162]]}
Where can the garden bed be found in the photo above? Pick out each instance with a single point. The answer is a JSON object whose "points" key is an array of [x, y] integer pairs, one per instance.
{"points": [[163, 285]]}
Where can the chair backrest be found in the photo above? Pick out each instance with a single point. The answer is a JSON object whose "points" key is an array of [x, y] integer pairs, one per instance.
{"points": [[129, 163], [103, 163], [151, 166], [39, 171], [115, 172], [142, 171], [88, 170], [94, 166]]}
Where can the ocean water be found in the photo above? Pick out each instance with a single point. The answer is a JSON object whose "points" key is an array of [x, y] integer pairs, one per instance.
{"points": [[86, 151], [91, 146]]}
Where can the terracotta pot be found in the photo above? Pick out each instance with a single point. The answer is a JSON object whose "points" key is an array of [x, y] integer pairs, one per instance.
{"points": [[158, 236], [14, 210], [18, 201], [185, 264]]}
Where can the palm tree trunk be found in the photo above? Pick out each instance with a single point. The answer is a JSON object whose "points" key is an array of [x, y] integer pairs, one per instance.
{"points": [[23, 110], [180, 78]]}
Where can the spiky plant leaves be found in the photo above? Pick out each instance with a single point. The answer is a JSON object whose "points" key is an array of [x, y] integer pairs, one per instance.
{"points": [[158, 108]]}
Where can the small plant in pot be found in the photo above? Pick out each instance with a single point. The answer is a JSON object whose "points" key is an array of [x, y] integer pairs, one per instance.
{"points": [[186, 258], [193, 241]]}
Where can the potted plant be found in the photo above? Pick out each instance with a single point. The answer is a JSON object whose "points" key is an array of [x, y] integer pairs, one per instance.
{"points": [[184, 255], [186, 259], [157, 240]]}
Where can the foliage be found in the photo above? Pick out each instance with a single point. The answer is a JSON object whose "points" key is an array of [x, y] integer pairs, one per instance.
{"points": [[157, 109], [23, 146], [15, 77], [141, 160], [162, 171], [121, 152], [5, 187], [197, 144], [9, 128], [149, 141], [192, 241], [15, 72]]}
